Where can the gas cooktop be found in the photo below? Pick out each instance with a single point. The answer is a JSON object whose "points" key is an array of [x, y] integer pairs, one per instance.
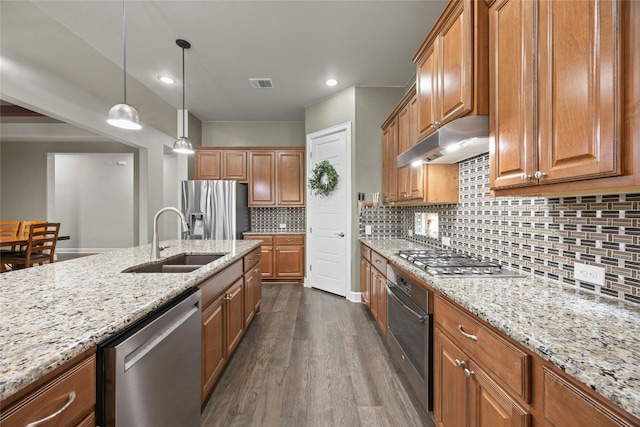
{"points": [[442, 262]]}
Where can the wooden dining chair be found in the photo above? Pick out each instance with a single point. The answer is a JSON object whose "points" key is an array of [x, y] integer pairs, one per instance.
{"points": [[8, 228], [40, 247]]}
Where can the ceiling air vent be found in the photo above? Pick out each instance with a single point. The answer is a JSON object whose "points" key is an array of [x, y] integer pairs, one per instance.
{"points": [[261, 83]]}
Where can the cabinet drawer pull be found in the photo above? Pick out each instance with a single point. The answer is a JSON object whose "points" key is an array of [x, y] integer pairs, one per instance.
{"points": [[473, 337], [72, 397], [468, 373]]}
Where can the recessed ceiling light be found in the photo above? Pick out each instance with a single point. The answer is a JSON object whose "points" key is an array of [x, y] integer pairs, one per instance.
{"points": [[167, 80], [331, 82]]}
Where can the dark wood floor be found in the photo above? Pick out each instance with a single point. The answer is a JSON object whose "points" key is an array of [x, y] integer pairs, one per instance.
{"points": [[310, 359]]}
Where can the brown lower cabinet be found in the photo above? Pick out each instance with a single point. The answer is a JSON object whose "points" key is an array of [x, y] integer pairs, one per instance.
{"points": [[462, 388], [252, 285], [72, 387], [378, 294], [282, 256], [482, 378], [365, 275], [224, 299]]}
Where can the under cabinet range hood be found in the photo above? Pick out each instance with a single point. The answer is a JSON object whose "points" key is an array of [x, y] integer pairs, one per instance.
{"points": [[456, 141]]}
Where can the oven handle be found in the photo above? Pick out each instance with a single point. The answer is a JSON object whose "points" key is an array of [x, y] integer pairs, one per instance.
{"points": [[390, 292]]}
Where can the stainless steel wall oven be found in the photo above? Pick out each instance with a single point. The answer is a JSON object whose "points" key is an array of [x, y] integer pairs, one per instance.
{"points": [[409, 332]]}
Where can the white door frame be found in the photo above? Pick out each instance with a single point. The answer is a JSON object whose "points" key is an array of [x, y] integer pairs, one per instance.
{"points": [[343, 127]]}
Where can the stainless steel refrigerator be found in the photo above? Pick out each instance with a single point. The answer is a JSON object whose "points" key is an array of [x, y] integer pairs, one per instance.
{"points": [[216, 209]]}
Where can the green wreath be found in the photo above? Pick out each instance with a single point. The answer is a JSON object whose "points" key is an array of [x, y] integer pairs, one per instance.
{"points": [[324, 178]]}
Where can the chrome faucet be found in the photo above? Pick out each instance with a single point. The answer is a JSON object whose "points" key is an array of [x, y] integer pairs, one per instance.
{"points": [[155, 245]]}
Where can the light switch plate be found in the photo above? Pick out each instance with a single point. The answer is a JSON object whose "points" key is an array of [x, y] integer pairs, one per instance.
{"points": [[446, 241], [367, 229], [588, 273], [283, 225]]}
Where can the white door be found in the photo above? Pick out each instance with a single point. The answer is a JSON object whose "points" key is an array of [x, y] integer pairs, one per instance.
{"points": [[329, 218]]}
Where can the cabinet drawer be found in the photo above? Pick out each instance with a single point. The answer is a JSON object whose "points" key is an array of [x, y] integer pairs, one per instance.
{"points": [[507, 363], [251, 259], [289, 239], [74, 390], [366, 252], [566, 404], [266, 240], [214, 286], [379, 262]]}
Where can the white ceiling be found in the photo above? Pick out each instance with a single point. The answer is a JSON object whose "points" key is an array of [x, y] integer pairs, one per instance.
{"points": [[298, 44]]}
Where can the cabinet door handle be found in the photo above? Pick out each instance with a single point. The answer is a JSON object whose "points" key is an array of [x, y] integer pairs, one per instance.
{"points": [[472, 337], [468, 373], [539, 174], [459, 363], [339, 234], [525, 177], [72, 397]]}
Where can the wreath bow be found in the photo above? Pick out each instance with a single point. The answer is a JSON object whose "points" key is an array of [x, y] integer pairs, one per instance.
{"points": [[324, 178]]}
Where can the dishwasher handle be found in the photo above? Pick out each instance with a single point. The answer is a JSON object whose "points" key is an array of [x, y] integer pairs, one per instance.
{"points": [[132, 358]]}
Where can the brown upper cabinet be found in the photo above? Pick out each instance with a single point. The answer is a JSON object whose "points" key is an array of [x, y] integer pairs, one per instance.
{"points": [[433, 183], [276, 177], [216, 163], [389, 163], [565, 91], [451, 67]]}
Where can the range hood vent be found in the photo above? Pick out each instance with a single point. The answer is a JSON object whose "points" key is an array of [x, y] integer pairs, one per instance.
{"points": [[261, 83], [456, 141]]}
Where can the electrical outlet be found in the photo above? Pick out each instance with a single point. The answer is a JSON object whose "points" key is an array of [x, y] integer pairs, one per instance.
{"points": [[589, 273], [283, 225], [446, 241], [410, 232], [367, 230]]}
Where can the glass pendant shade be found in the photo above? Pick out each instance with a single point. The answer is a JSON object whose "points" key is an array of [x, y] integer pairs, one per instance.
{"points": [[124, 116], [183, 146]]}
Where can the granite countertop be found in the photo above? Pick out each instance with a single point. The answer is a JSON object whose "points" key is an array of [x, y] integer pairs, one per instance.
{"points": [[594, 339], [54, 312]]}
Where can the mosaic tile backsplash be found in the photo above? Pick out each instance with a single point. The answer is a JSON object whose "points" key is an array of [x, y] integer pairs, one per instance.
{"points": [[543, 236], [268, 220]]}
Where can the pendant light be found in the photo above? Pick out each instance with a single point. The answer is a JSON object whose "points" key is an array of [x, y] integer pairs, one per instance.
{"points": [[182, 144], [124, 115]]}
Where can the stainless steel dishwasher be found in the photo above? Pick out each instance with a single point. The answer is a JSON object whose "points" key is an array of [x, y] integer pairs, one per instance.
{"points": [[149, 374]]}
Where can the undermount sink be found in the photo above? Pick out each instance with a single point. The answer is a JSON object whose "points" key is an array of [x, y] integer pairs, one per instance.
{"points": [[183, 263]]}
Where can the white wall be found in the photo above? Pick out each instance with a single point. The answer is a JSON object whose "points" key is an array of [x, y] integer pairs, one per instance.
{"points": [[30, 86], [253, 134], [366, 108], [92, 196]]}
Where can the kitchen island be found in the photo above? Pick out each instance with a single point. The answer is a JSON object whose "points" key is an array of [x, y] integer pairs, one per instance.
{"points": [[593, 339], [53, 313]]}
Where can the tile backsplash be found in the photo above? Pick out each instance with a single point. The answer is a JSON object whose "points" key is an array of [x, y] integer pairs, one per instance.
{"points": [[268, 220], [538, 235]]}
